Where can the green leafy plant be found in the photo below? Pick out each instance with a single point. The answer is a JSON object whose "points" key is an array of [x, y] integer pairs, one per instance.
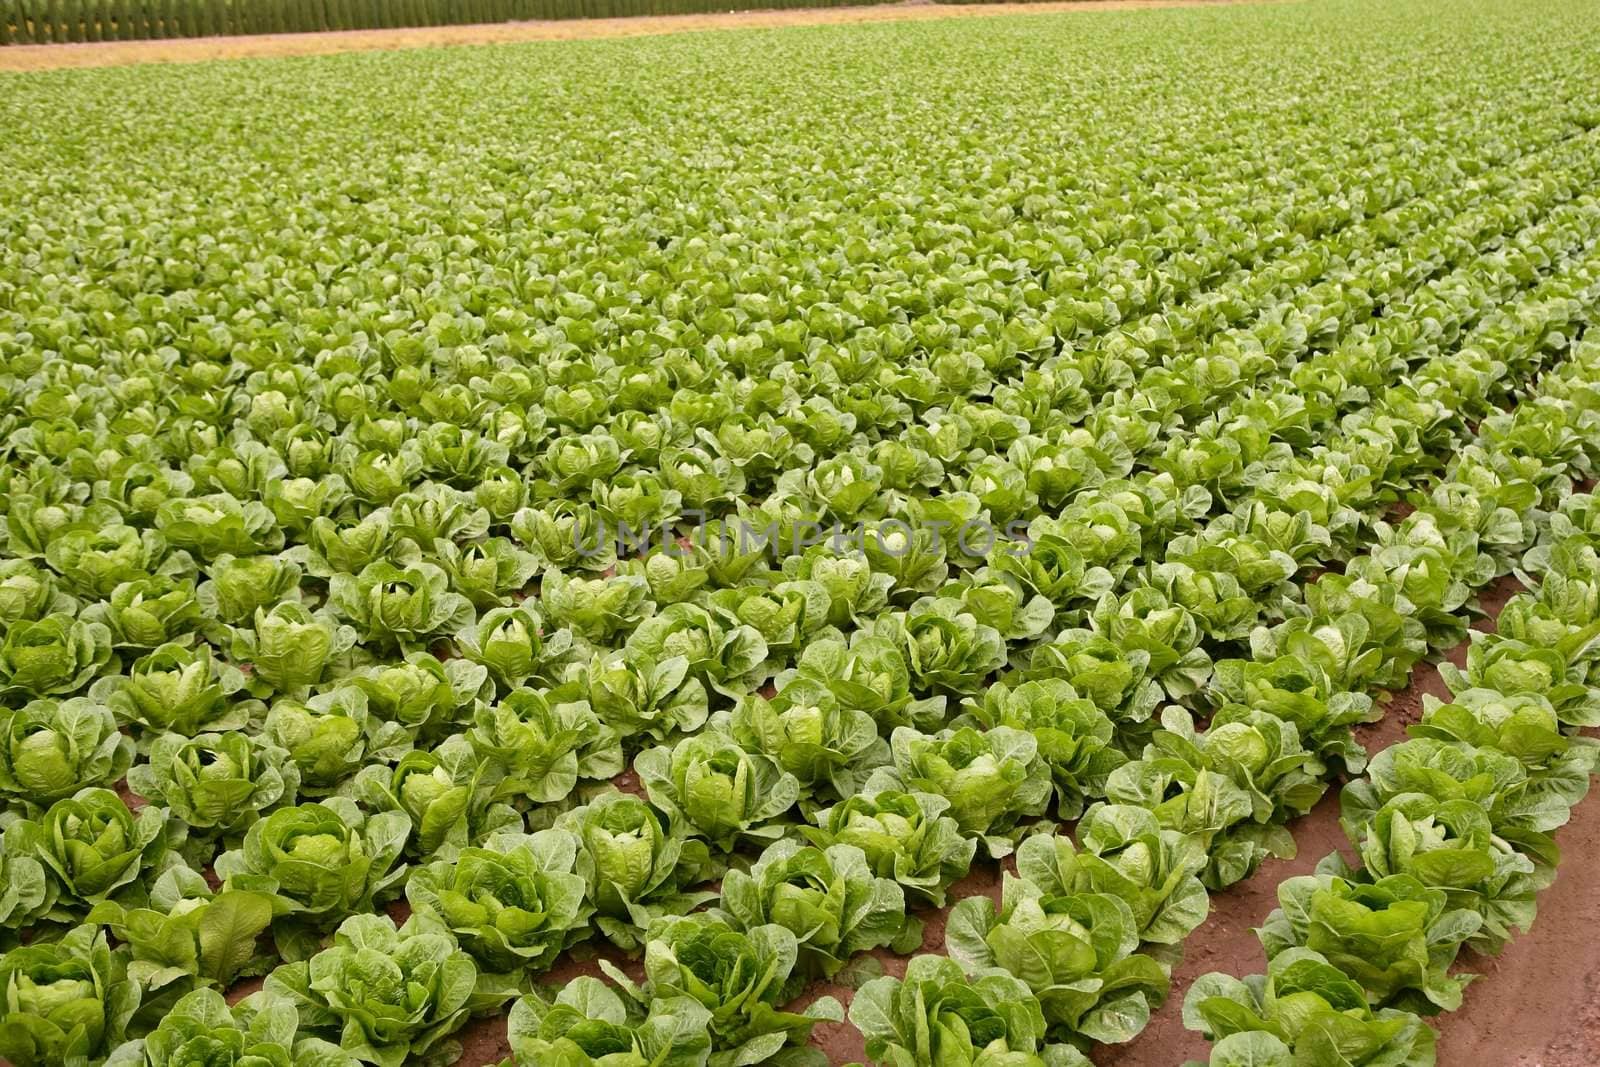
{"points": [[65, 1001], [512, 904], [741, 978], [263, 1029], [92, 848], [906, 837], [216, 784], [190, 933], [827, 748], [331, 736], [1074, 735], [290, 648], [938, 1014], [425, 697], [57, 655], [710, 784], [636, 865], [388, 994], [49, 749], [1127, 854], [1075, 952], [534, 749], [1232, 787], [726, 658], [869, 673], [589, 1025], [403, 607], [993, 780], [1303, 1009], [183, 690], [442, 794], [319, 862], [639, 699], [1396, 937], [827, 897]]}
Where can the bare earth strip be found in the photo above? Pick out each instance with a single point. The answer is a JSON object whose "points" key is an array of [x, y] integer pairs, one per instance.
{"points": [[199, 49]]}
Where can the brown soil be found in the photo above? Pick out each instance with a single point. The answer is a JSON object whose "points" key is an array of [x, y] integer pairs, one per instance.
{"points": [[628, 782], [1538, 1003], [483, 1041], [199, 49], [243, 988]]}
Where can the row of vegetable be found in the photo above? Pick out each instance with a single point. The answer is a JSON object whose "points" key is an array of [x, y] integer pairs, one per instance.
{"points": [[996, 698], [321, 660], [1529, 461], [1452, 829]]}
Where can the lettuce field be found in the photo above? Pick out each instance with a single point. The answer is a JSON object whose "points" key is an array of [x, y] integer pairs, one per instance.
{"points": [[894, 543]]}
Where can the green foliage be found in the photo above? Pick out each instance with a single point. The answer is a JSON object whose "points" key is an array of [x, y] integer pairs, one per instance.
{"points": [[1396, 937], [388, 994], [53, 748], [636, 865], [742, 978], [320, 862], [66, 1001], [993, 780], [1304, 1010], [587, 1025], [827, 897], [190, 933], [515, 903], [1075, 952], [938, 1014], [712, 786], [905, 837], [263, 1029], [93, 849], [216, 784], [705, 531]]}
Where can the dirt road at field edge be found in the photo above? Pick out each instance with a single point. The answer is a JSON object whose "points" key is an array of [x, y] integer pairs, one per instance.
{"points": [[34, 57]]}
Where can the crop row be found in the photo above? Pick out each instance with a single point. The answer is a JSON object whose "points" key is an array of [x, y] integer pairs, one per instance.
{"points": [[372, 522], [1219, 796], [1453, 828], [525, 737]]}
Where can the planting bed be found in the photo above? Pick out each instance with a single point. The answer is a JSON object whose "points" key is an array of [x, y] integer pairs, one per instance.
{"points": [[1021, 542]]}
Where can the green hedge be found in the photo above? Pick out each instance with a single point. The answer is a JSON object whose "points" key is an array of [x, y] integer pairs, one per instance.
{"points": [[51, 21]]}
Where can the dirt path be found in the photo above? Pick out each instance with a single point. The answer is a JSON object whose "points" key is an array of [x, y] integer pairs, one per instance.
{"points": [[1538, 1003], [198, 49]]}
